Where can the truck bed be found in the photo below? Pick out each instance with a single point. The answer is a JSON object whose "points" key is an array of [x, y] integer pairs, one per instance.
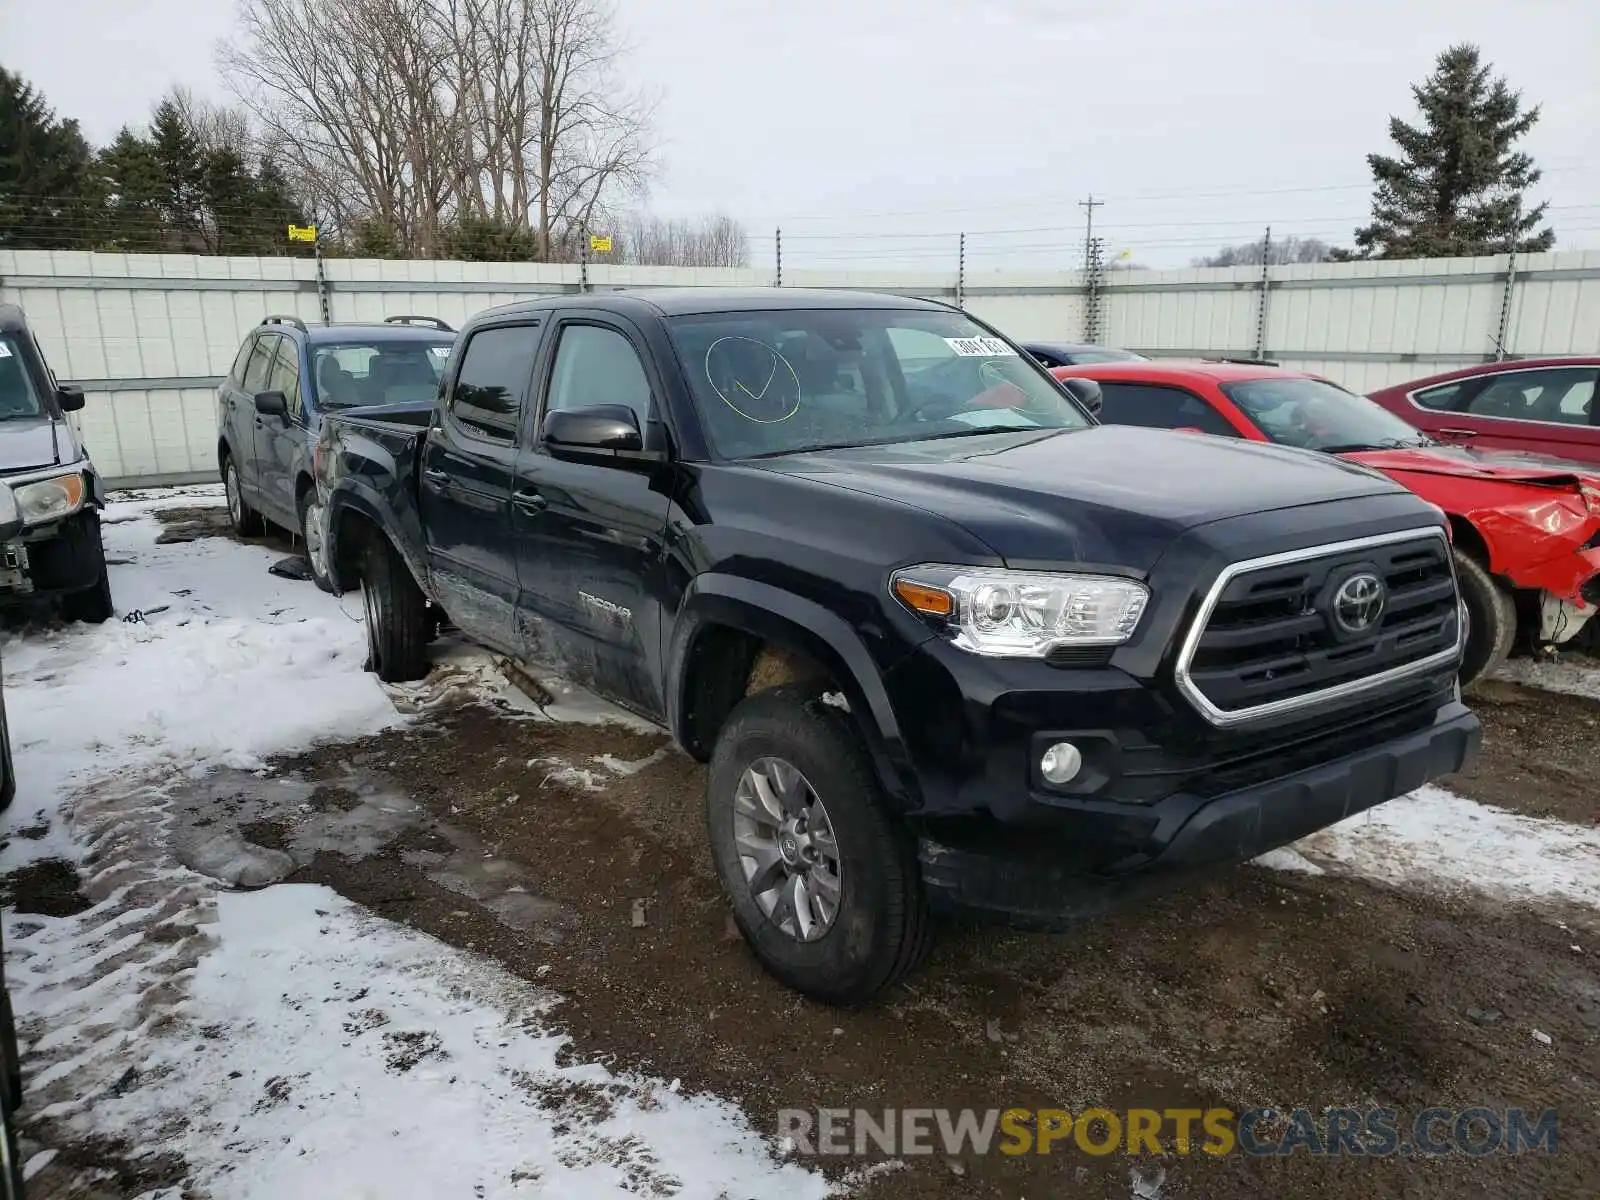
{"points": [[411, 416], [376, 452]]}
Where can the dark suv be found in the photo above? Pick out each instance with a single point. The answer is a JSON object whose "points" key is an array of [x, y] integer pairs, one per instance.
{"points": [[944, 639], [285, 376], [52, 489]]}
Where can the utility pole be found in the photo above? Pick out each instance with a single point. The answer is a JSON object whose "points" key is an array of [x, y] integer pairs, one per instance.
{"points": [[1088, 207], [1092, 267]]}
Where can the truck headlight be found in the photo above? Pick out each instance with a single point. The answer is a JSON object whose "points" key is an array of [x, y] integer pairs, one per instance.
{"points": [[49, 499], [1023, 614]]}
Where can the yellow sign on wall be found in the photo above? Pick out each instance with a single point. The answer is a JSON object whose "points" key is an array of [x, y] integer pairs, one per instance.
{"points": [[302, 233], [600, 243]]}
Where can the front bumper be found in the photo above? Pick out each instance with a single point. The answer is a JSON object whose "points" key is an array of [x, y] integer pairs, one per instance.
{"points": [[52, 560], [1037, 880]]}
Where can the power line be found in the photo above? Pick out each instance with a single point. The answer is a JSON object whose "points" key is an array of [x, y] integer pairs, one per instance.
{"points": [[1187, 194]]}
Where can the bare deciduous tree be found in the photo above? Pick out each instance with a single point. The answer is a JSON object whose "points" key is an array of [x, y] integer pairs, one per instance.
{"points": [[717, 241], [406, 114], [1286, 250], [215, 126]]}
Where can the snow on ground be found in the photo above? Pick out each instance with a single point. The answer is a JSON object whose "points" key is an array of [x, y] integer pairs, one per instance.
{"points": [[1434, 838], [240, 665], [1575, 674], [382, 1064], [285, 1042]]}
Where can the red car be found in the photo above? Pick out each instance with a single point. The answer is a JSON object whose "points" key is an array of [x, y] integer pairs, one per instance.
{"points": [[1526, 531], [1542, 405]]}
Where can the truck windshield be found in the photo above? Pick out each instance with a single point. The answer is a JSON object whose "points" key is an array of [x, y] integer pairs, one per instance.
{"points": [[18, 399], [1316, 415], [780, 381], [378, 371]]}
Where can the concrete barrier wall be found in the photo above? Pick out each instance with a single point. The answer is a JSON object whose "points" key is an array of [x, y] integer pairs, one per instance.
{"points": [[148, 336]]}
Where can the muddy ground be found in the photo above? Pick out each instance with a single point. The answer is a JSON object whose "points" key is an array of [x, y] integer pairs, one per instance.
{"points": [[532, 843], [1254, 988]]}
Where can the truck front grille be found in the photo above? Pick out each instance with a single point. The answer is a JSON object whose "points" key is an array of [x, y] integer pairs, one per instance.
{"points": [[1290, 631]]}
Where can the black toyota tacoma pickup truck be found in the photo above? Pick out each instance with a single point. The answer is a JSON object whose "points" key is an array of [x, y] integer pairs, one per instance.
{"points": [[945, 641]]}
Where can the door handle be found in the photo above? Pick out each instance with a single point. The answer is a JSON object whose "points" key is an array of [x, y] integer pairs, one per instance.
{"points": [[434, 475], [529, 501], [1458, 433]]}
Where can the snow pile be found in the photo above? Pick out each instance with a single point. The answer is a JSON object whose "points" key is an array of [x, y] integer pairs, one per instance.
{"points": [[1575, 674], [1437, 839]]}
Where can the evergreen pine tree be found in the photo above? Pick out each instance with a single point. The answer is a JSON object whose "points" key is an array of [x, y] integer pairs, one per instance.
{"points": [[135, 217], [1458, 187], [47, 182], [176, 150]]}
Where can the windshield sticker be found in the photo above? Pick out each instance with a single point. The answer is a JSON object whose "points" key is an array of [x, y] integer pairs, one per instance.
{"points": [[439, 351], [980, 347], [5, 350]]}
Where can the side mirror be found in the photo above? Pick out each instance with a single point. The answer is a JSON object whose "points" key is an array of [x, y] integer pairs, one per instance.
{"points": [[70, 398], [1086, 392], [605, 429], [272, 404]]}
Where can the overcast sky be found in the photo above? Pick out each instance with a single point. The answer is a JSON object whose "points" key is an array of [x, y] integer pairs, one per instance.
{"points": [[873, 131]]}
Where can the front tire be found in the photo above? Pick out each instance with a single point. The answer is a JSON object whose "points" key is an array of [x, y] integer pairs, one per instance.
{"points": [[791, 792], [396, 614], [245, 520], [1491, 619], [93, 604]]}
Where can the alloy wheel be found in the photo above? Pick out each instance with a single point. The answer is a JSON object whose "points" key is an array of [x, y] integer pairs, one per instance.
{"points": [[787, 848]]}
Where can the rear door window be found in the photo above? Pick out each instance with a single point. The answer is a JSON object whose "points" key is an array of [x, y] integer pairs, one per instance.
{"points": [[1557, 396], [492, 385], [260, 364], [284, 375], [241, 362]]}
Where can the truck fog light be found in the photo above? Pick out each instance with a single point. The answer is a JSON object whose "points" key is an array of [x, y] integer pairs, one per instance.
{"points": [[1061, 763]]}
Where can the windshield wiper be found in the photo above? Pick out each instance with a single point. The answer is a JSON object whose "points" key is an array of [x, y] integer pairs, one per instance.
{"points": [[973, 431], [906, 441], [1384, 444]]}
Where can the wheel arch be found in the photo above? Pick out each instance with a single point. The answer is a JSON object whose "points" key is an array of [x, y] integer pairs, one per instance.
{"points": [[732, 633], [1467, 538], [353, 519]]}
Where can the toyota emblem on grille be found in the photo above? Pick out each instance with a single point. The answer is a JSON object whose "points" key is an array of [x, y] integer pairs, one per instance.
{"points": [[1358, 604]]}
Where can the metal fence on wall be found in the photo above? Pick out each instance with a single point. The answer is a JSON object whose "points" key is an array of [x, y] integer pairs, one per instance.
{"points": [[149, 336]]}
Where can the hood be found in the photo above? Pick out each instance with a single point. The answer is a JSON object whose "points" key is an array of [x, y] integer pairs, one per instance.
{"points": [[1496, 465], [1113, 495], [27, 444]]}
